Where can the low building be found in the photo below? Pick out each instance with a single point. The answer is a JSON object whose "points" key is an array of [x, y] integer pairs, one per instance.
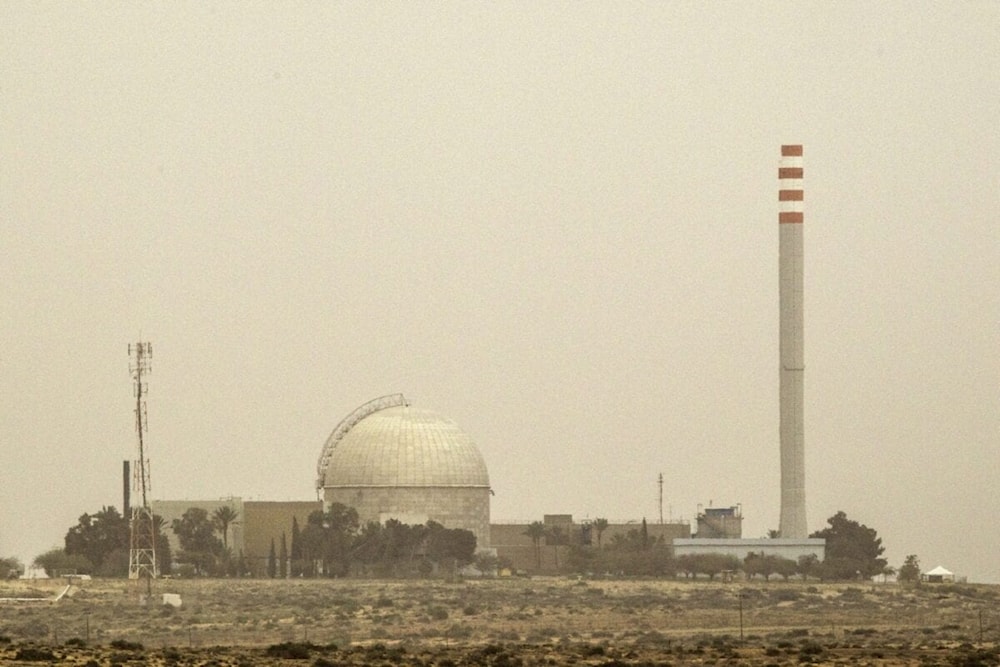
{"points": [[939, 575], [720, 523], [251, 533], [515, 547]]}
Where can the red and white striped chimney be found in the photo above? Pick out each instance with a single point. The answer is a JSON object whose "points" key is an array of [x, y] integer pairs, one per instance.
{"points": [[792, 523]]}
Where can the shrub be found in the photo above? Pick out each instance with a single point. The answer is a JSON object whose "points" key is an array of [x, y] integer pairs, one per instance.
{"points": [[290, 650], [33, 654]]}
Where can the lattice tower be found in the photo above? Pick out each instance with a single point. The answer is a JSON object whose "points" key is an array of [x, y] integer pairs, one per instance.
{"points": [[142, 533]]}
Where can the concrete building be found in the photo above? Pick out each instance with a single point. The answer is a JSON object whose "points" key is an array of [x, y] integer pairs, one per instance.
{"points": [[171, 510], [267, 520], [720, 522], [250, 535], [389, 460], [515, 547]]}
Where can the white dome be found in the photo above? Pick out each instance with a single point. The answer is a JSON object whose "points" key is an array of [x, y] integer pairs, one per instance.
{"points": [[405, 447]]}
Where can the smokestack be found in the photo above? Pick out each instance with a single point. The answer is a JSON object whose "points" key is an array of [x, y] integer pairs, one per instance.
{"points": [[792, 523]]}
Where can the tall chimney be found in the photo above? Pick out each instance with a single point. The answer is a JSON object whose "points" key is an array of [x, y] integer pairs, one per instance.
{"points": [[792, 523]]}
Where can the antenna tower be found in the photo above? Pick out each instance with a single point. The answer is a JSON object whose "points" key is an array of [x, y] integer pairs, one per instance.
{"points": [[142, 539], [659, 482]]}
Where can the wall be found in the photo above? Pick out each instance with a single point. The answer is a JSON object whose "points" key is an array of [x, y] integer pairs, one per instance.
{"points": [[516, 548], [269, 520], [175, 509], [783, 547], [453, 507]]}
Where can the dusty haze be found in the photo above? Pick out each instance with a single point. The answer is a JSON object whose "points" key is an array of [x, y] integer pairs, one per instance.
{"points": [[554, 223]]}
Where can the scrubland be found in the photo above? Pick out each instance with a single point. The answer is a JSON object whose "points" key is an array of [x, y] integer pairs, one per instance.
{"points": [[538, 621]]}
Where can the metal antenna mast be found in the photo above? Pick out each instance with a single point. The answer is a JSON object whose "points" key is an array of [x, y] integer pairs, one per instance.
{"points": [[142, 540], [660, 483]]}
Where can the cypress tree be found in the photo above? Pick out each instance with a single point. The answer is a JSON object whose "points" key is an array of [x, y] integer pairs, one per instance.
{"points": [[272, 565], [283, 562], [296, 548]]}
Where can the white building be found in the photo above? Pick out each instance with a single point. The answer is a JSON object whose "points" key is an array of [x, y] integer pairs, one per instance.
{"points": [[788, 548]]}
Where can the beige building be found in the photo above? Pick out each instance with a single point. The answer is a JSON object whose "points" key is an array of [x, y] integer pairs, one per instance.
{"points": [[269, 520], [720, 523], [789, 548], [515, 547], [257, 524]]}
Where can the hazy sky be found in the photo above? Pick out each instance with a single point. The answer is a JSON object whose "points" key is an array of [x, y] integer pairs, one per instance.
{"points": [[555, 223]]}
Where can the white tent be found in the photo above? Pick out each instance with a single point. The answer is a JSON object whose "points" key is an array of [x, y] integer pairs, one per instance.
{"points": [[939, 574]]}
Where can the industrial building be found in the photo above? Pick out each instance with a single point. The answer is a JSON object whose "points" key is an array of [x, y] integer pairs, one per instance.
{"points": [[516, 548], [389, 460], [258, 524], [720, 522], [788, 548]]}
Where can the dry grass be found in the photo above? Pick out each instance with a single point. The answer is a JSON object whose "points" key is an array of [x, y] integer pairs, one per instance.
{"points": [[501, 622]]}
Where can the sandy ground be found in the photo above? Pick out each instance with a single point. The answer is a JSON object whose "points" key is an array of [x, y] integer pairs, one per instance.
{"points": [[539, 621]]}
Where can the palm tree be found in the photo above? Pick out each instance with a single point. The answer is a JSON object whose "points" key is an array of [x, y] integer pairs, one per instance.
{"points": [[223, 518], [536, 531], [556, 534], [600, 525]]}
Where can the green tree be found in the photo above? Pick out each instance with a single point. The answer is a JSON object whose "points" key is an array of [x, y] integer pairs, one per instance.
{"points": [[600, 525], [536, 531], [488, 564], [711, 564], [852, 549], [808, 565], [283, 571], [296, 549], [754, 564], [56, 561], [450, 547], [222, 518], [785, 567], [329, 539], [715, 564], [103, 539], [10, 568], [272, 562], [909, 571], [164, 556], [555, 537], [199, 545], [767, 565]]}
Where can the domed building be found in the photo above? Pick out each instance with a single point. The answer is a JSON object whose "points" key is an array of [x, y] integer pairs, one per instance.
{"points": [[388, 460]]}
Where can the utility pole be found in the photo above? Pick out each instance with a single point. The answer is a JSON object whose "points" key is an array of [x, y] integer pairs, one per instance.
{"points": [[660, 482], [142, 531]]}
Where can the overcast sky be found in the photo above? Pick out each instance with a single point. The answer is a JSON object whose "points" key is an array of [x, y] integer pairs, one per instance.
{"points": [[555, 223]]}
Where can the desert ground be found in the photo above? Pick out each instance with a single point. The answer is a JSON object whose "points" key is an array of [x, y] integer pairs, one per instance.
{"points": [[537, 621]]}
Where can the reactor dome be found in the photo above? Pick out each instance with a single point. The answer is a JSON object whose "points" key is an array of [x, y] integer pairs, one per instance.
{"points": [[389, 460]]}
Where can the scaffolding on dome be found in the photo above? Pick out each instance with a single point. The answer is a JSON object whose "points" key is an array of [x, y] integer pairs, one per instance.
{"points": [[349, 422]]}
